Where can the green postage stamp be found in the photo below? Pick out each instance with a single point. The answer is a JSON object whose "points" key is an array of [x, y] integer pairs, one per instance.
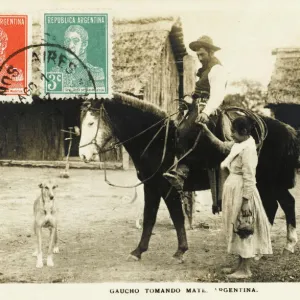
{"points": [[78, 55]]}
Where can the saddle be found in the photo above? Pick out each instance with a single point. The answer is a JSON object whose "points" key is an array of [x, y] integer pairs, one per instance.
{"points": [[225, 127], [198, 178]]}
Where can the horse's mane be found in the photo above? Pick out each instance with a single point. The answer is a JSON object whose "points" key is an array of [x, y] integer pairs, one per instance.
{"points": [[126, 100], [142, 105]]}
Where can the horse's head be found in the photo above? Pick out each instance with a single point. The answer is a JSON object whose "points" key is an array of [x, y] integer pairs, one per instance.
{"points": [[95, 132]]}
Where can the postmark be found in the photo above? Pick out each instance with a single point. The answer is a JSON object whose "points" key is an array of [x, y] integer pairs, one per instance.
{"points": [[87, 36], [14, 35], [33, 89], [58, 63]]}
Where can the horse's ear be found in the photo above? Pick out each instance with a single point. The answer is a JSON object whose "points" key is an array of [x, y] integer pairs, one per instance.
{"points": [[86, 104], [97, 104]]}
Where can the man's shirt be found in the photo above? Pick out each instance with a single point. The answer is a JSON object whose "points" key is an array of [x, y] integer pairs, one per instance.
{"points": [[217, 78]]}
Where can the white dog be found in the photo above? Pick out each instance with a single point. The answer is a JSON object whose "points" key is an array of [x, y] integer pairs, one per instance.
{"points": [[45, 215]]}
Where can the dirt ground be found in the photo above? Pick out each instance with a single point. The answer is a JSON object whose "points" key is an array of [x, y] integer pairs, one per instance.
{"points": [[97, 232]]}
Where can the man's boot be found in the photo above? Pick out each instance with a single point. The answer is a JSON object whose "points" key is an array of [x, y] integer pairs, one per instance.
{"points": [[178, 176]]}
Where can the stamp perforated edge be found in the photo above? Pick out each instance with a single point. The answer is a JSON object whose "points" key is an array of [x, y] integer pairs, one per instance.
{"points": [[22, 98]]}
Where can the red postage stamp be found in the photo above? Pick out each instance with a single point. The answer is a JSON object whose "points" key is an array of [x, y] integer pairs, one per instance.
{"points": [[13, 62]]}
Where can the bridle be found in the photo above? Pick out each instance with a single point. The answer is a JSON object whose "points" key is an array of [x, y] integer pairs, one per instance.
{"points": [[94, 140]]}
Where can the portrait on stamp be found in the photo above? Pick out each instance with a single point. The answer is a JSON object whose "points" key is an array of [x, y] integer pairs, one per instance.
{"points": [[80, 64], [13, 71]]}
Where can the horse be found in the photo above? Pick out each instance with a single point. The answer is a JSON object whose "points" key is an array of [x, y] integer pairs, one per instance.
{"points": [[149, 136]]}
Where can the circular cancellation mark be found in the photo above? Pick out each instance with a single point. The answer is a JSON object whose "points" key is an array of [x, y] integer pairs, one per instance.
{"points": [[63, 68]]}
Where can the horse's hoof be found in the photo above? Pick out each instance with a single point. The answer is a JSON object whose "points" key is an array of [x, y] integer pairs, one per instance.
{"points": [[286, 252], [132, 257], [178, 258]]}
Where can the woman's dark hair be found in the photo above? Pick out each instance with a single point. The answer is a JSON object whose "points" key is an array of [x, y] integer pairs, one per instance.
{"points": [[243, 125]]}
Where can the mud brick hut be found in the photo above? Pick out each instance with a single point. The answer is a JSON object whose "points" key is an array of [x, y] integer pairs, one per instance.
{"points": [[284, 87], [147, 64]]}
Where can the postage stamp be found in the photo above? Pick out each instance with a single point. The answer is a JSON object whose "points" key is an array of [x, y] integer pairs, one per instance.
{"points": [[79, 61], [13, 68]]}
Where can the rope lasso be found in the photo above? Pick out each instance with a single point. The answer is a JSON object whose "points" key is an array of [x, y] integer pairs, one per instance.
{"points": [[260, 126]]}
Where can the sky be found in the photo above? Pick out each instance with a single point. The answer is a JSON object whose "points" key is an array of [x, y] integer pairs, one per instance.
{"points": [[247, 31], [247, 38]]}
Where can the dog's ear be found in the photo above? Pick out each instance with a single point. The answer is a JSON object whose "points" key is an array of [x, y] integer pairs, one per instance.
{"points": [[41, 185]]}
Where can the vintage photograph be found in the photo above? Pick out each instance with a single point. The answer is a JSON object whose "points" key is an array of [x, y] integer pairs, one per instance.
{"points": [[158, 145]]}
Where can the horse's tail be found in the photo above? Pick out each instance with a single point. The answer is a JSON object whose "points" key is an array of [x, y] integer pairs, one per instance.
{"points": [[280, 153]]}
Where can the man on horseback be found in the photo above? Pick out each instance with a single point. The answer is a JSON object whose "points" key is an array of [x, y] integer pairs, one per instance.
{"points": [[207, 97]]}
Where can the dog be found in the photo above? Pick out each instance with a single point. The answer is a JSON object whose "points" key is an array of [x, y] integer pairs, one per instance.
{"points": [[45, 216]]}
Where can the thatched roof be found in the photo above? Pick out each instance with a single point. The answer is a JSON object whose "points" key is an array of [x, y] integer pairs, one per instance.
{"points": [[284, 86], [137, 48]]}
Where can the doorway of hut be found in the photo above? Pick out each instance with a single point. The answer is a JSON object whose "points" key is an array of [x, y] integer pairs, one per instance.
{"points": [[71, 119]]}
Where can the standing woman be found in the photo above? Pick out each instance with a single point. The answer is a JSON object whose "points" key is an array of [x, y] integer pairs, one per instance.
{"points": [[245, 221]]}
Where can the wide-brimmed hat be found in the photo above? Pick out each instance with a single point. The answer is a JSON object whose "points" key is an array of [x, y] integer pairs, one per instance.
{"points": [[203, 41]]}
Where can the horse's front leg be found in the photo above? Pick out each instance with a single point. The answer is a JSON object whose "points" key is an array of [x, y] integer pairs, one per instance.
{"points": [[173, 202], [152, 199]]}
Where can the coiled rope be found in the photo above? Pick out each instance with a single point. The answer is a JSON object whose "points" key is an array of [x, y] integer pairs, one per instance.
{"points": [[259, 125]]}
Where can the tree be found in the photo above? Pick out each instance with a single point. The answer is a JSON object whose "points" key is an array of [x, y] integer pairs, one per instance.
{"points": [[251, 96]]}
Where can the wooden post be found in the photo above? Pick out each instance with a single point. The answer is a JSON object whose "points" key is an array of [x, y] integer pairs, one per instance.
{"points": [[65, 172], [189, 74], [125, 159]]}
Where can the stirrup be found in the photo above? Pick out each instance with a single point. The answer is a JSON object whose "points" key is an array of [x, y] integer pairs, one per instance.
{"points": [[175, 180], [170, 173]]}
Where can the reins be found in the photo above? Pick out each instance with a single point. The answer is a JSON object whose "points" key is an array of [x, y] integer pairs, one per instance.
{"points": [[156, 171], [261, 132], [100, 150]]}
